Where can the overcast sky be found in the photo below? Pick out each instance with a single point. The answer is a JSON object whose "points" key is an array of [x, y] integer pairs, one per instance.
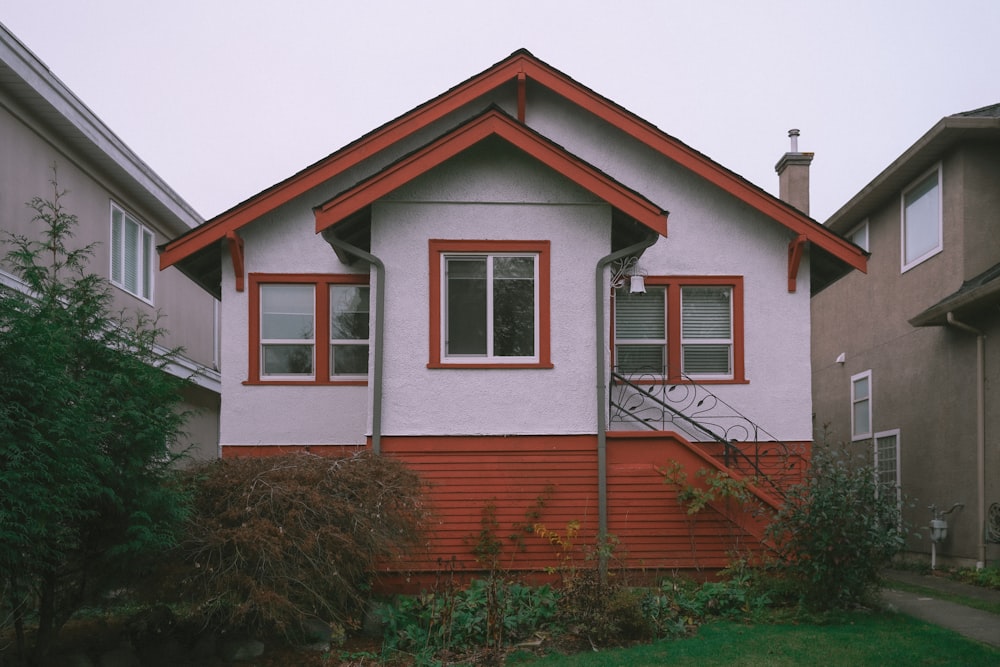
{"points": [[223, 98]]}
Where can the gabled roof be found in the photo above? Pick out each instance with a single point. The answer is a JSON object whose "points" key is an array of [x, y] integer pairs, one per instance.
{"points": [[978, 124], [492, 123], [512, 71]]}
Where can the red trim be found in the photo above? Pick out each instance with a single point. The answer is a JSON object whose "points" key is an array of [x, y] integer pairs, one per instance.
{"points": [[500, 74], [795, 248], [236, 253], [321, 367], [522, 102], [673, 286], [491, 123], [437, 247]]}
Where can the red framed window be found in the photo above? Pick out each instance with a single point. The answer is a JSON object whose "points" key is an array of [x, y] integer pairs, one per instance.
{"points": [[681, 327], [489, 304], [309, 329]]}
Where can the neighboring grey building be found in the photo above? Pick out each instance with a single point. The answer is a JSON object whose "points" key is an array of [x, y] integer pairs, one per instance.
{"points": [[906, 360], [120, 203]]}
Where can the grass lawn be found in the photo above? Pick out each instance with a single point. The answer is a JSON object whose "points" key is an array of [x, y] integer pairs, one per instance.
{"points": [[851, 639]]}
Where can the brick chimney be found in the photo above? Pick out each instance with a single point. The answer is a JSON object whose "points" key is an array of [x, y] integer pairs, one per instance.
{"points": [[793, 175]]}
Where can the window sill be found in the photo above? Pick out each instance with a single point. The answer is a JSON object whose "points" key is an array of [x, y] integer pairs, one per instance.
{"points": [[652, 380], [306, 383], [490, 366]]}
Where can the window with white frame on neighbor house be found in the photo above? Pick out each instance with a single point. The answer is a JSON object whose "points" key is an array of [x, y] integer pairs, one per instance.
{"points": [[921, 220], [859, 236], [861, 406], [132, 254], [489, 304], [307, 328], [886, 455], [681, 327]]}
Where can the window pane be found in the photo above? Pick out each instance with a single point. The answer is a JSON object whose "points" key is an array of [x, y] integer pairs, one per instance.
{"points": [[706, 359], [116, 245], [466, 305], [131, 256], [632, 359], [861, 389], [640, 315], [349, 359], [862, 420], [706, 312], [147, 264], [886, 454], [513, 306], [348, 312], [288, 359], [286, 312], [921, 214]]}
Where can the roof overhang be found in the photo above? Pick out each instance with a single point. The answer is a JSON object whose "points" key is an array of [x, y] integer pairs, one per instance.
{"points": [[976, 296], [918, 158], [512, 71], [493, 123]]}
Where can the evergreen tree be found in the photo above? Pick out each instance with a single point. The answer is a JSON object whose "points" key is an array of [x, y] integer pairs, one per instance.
{"points": [[87, 417]]}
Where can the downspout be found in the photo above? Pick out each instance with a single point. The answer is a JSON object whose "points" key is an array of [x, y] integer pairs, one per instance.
{"points": [[602, 440], [980, 433], [379, 332]]}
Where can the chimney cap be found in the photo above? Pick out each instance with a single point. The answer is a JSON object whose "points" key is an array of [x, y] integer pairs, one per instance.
{"points": [[793, 134]]}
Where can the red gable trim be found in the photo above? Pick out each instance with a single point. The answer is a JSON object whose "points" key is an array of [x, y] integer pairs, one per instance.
{"points": [[491, 123], [507, 71]]}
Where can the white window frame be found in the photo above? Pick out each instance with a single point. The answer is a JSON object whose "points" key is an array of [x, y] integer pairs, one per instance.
{"points": [[264, 342], [145, 254], [728, 342], [898, 482], [347, 342], [660, 342], [867, 375], [933, 173], [489, 357], [859, 236]]}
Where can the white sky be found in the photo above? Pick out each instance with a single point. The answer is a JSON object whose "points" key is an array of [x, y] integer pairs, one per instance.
{"points": [[223, 98]]}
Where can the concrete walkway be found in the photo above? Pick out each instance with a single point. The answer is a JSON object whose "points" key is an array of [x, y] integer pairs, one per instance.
{"points": [[973, 623]]}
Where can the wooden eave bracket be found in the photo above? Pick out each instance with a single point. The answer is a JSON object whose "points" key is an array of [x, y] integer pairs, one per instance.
{"points": [[795, 248], [236, 253], [522, 103]]}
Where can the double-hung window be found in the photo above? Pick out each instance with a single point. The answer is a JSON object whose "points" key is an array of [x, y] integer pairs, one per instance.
{"points": [[921, 223], [309, 329], [132, 254], [861, 406], [489, 303], [681, 327]]}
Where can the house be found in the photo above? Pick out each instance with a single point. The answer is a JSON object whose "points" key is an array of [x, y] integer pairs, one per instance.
{"points": [[903, 363], [120, 204], [461, 288]]}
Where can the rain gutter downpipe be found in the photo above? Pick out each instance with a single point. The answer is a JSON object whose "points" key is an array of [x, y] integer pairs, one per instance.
{"points": [[600, 290], [980, 433], [379, 332]]}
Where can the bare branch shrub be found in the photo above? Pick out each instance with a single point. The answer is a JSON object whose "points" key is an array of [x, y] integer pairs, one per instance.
{"points": [[278, 539]]}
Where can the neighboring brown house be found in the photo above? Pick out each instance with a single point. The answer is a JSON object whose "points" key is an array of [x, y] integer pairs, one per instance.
{"points": [[120, 204], [905, 359]]}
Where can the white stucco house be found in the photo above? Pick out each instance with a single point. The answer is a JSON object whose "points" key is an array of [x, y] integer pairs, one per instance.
{"points": [[460, 288]]}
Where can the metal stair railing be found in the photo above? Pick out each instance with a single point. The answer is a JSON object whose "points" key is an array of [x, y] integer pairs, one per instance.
{"points": [[700, 415]]}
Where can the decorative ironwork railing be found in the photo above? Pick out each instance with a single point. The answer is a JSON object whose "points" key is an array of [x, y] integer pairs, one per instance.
{"points": [[693, 411]]}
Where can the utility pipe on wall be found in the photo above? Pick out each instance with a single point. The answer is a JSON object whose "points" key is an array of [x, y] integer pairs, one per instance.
{"points": [[601, 287], [980, 433], [379, 332]]}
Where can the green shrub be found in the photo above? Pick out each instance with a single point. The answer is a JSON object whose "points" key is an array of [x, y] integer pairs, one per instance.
{"points": [[275, 539], [837, 531]]}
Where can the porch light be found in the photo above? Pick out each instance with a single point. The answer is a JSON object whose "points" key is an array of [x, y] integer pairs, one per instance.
{"points": [[636, 284]]}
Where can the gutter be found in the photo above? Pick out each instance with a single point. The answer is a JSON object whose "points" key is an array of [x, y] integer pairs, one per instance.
{"points": [[379, 345], [980, 433], [600, 290]]}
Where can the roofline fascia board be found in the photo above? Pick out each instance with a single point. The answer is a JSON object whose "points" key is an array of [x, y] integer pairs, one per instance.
{"points": [[503, 72], [846, 214], [30, 69], [492, 123]]}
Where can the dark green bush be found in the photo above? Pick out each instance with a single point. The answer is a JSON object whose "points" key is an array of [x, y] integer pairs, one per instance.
{"points": [[837, 531]]}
